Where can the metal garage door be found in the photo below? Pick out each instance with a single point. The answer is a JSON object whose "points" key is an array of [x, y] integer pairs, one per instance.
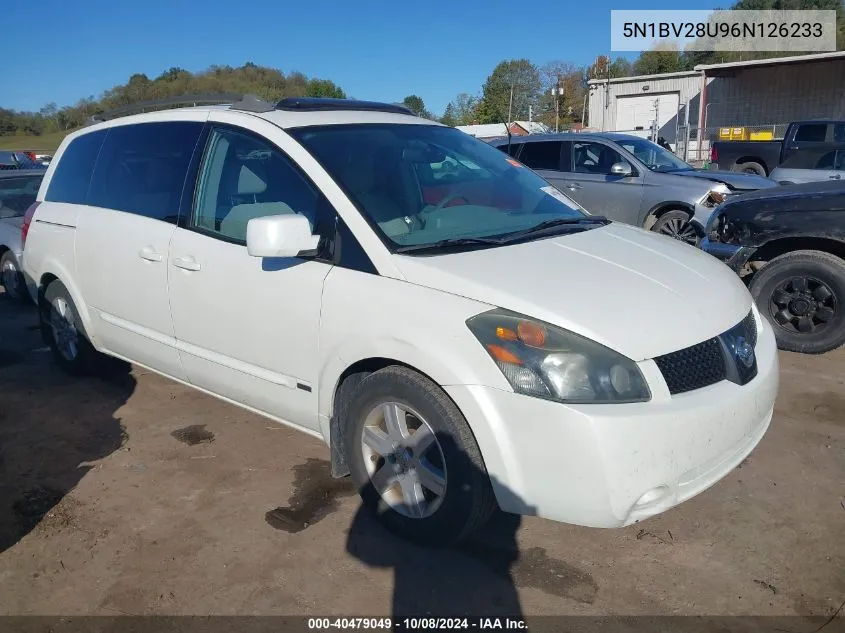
{"points": [[636, 115]]}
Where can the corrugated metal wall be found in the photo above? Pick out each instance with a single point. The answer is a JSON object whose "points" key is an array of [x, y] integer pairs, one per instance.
{"points": [[686, 87], [762, 98], [776, 95]]}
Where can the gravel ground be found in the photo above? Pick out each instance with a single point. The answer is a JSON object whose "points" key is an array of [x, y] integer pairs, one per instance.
{"points": [[131, 494]]}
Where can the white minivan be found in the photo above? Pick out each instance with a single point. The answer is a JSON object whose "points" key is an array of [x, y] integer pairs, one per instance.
{"points": [[458, 332]]}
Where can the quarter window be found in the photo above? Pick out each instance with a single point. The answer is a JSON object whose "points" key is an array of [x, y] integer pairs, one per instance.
{"points": [[541, 155], [243, 177], [73, 172], [142, 168]]}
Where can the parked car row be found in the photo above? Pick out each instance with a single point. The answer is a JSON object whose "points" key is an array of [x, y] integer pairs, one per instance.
{"points": [[18, 189], [460, 333], [630, 179], [635, 181]]}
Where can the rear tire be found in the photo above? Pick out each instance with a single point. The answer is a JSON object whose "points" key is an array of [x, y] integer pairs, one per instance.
{"points": [[677, 225], [11, 277], [454, 497], [64, 332], [802, 294], [751, 168]]}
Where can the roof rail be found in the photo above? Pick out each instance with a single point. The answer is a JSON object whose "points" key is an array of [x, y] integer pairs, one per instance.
{"points": [[251, 103], [183, 100], [312, 104]]}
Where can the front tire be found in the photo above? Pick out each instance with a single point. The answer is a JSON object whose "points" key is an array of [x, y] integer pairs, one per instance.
{"points": [[64, 332], [414, 459], [802, 294], [677, 225], [11, 277]]}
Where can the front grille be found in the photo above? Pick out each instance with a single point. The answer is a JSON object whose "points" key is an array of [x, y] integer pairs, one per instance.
{"points": [[694, 367], [703, 364], [749, 324]]}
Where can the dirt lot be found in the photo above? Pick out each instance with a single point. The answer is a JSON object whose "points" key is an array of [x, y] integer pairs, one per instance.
{"points": [[136, 495]]}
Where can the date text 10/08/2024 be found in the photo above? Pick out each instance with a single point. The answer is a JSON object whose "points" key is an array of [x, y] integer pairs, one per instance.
{"points": [[416, 624]]}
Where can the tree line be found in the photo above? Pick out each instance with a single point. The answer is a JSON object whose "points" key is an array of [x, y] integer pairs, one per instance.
{"points": [[516, 89], [267, 83]]}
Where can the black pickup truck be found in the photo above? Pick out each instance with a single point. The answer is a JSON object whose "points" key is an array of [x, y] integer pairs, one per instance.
{"points": [[788, 243], [761, 157]]}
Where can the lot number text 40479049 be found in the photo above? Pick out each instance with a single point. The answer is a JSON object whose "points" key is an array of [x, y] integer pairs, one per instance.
{"points": [[416, 624]]}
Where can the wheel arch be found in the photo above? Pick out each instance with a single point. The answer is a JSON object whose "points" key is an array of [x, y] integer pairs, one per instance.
{"points": [[57, 272], [336, 391], [662, 208], [780, 246]]}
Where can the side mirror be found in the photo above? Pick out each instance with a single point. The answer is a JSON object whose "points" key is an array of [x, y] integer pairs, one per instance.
{"points": [[621, 169], [280, 236]]}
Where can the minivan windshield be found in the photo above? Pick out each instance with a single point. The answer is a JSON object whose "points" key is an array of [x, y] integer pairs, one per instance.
{"points": [[430, 186], [653, 156]]}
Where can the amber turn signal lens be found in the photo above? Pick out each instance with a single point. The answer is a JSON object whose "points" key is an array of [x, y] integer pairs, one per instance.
{"points": [[531, 334], [505, 334], [504, 356]]}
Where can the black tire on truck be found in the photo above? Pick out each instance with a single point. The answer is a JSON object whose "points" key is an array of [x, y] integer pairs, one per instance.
{"points": [[802, 294], [751, 167]]}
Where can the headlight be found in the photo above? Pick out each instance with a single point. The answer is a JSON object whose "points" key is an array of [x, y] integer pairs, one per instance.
{"points": [[539, 359], [713, 199]]}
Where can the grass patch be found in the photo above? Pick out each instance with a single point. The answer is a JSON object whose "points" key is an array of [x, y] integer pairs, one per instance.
{"points": [[46, 142]]}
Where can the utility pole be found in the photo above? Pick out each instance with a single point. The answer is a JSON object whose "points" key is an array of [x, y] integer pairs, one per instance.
{"points": [[510, 103], [557, 93]]}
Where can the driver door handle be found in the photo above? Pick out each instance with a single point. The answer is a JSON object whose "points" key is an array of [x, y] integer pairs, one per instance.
{"points": [[149, 253], [574, 186], [835, 176], [187, 263]]}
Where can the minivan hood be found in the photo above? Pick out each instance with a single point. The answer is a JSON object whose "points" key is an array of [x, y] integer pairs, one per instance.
{"points": [[637, 292], [734, 180]]}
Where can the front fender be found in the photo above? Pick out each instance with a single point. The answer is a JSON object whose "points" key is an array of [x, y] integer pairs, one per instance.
{"points": [[367, 316]]}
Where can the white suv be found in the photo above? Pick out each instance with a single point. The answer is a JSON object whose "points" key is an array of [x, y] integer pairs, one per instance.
{"points": [[455, 329]]}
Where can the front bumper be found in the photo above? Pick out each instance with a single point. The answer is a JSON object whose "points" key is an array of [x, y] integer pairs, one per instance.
{"points": [[733, 255], [612, 465]]}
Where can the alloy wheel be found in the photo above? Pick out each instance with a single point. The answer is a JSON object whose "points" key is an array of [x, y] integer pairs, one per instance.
{"points": [[404, 460], [64, 330], [11, 278], [803, 304], [679, 229]]}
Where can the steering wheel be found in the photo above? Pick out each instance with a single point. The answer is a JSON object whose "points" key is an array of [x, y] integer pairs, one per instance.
{"points": [[447, 200]]}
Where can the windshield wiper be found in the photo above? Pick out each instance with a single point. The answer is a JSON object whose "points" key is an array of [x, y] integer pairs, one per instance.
{"points": [[457, 241], [557, 222]]}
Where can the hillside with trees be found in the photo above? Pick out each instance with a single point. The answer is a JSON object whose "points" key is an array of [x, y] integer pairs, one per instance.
{"points": [[268, 83], [516, 89]]}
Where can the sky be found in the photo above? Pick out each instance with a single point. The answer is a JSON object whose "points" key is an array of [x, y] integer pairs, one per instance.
{"points": [[62, 51]]}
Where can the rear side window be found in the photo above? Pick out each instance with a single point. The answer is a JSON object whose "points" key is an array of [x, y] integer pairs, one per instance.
{"points": [[16, 194], [811, 133], [142, 168], [541, 155], [73, 172]]}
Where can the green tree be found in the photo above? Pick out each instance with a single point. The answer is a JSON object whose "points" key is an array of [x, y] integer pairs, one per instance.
{"points": [[663, 59], [416, 105], [449, 115], [324, 88], [509, 91]]}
